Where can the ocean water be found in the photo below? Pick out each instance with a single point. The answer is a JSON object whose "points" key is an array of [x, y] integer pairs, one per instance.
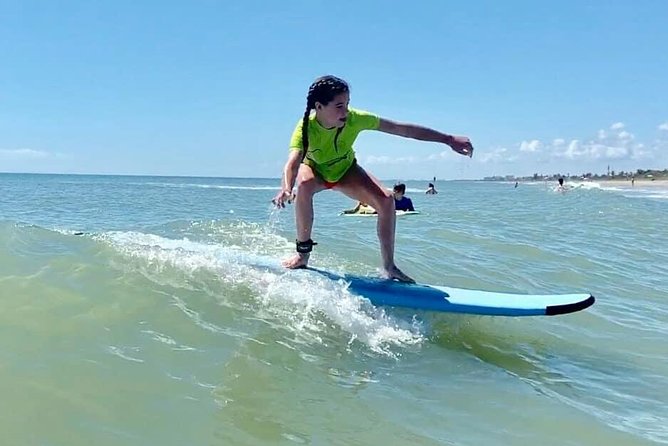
{"points": [[168, 322]]}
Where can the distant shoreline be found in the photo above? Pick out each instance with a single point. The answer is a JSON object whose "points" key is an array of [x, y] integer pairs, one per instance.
{"points": [[626, 184], [644, 182]]}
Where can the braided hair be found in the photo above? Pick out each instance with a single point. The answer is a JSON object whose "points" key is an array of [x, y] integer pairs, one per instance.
{"points": [[322, 90]]}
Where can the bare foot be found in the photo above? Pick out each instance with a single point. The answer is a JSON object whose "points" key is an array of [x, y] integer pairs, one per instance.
{"points": [[299, 260], [395, 273]]}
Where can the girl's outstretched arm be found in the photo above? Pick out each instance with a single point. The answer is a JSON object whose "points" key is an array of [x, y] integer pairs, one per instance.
{"points": [[460, 144]]}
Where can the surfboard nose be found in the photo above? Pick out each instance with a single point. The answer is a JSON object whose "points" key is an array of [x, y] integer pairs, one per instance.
{"points": [[554, 310]]}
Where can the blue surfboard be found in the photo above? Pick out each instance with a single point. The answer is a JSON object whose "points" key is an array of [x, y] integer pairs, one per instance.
{"points": [[383, 292]]}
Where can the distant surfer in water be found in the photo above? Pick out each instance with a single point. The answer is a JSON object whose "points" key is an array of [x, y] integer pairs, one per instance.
{"points": [[322, 157], [360, 208], [431, 190], [561, 187]]}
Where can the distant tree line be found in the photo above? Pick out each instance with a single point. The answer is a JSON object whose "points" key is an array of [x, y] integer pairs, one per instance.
{"points": [[612, 175]]}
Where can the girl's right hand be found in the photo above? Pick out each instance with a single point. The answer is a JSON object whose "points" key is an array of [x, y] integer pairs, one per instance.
{"points": [[284, 196]]}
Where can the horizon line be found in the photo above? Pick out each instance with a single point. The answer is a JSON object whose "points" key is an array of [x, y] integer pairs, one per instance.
{"points": [[207, 176]]}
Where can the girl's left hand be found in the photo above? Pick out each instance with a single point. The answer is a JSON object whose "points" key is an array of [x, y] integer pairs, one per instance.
{"points": [[284, 196]]}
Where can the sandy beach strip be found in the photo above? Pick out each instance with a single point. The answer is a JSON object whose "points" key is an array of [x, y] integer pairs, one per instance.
{"points": [[641, 184]]}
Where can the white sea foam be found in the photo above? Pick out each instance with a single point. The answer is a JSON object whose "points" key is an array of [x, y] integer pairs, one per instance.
{"points": [[296, 298]]}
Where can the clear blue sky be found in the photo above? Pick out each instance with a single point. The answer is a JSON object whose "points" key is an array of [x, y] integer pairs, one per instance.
{"points": [[214, 88]]}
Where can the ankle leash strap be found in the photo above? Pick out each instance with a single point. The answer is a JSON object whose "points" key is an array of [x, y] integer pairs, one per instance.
{"points": [[305, 247]]}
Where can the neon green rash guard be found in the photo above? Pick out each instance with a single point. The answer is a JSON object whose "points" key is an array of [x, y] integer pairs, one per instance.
{"points": [[328, 154]]}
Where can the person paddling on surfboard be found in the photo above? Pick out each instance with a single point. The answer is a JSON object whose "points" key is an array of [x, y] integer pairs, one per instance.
{"points": [[401, 201], [322, 157]]}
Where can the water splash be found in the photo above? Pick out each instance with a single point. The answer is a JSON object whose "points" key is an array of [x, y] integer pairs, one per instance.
{"points": [[297, 299]]}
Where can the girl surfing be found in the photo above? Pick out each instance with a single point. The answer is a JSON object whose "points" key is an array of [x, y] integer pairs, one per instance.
{"points": [[322, 157]]}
